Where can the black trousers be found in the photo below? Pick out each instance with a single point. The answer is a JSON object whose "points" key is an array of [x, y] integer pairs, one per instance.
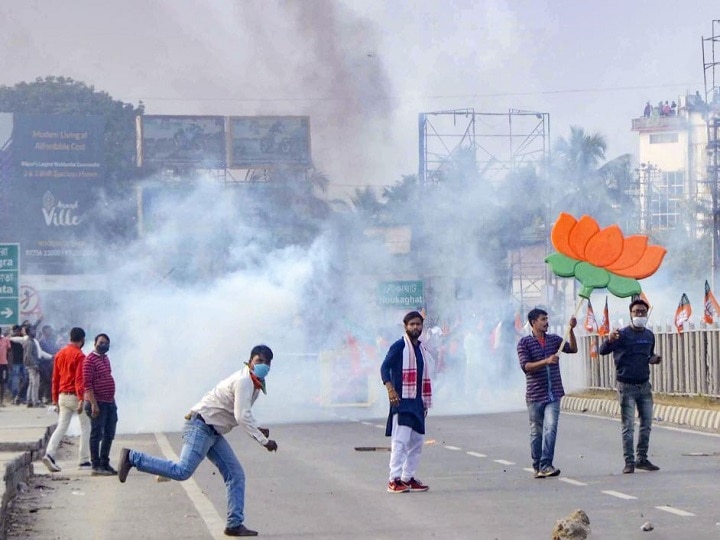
{"points": [[102, 433]]}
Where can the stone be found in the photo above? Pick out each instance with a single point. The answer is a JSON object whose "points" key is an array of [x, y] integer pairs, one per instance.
{"points": [[574, 526]]}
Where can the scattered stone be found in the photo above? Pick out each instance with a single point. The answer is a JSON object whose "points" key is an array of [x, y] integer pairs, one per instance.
{"points": [[575, 526], [647, 526]]}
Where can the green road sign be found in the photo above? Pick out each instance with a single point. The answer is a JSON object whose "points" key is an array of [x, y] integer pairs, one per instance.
{"points": [[9, 284], [408, 294]]}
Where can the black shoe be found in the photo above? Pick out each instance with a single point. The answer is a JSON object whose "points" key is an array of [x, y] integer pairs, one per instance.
{"points": [[110, 470], [99, 471], [124, 464], [629, 468], [549, 471], [645, 465], [240, 530]]}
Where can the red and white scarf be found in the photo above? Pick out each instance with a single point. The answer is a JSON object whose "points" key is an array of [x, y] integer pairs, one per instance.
{"points": [[409, 373]]}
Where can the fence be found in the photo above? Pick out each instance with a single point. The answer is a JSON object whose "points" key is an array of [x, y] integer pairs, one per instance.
{"points": [[690, 363]]}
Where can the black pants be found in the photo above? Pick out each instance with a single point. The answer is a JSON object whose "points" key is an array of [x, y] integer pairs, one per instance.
{"points": [[102, 433]]}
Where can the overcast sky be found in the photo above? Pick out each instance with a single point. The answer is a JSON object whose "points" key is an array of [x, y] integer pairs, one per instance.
{"points": [[363, 69]]}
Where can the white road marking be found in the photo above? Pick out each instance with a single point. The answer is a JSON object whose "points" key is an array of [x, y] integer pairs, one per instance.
{"points": [[503, 462], [675, 511], [380, 426], [669, 428], [619, 495], [573, 482], [367, 423], [529, 469], [453, 448], [213, 521], [476, 454]]}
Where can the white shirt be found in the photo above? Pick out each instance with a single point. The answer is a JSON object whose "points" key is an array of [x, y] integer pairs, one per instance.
{"points": [[229, 404]]}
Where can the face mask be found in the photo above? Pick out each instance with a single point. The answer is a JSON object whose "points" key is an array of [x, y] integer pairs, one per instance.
{"points": [[639, 322], [261, 370], [102, 349]]}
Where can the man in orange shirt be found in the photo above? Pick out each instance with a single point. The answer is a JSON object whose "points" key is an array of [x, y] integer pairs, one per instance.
{"points": [[67, 394]]}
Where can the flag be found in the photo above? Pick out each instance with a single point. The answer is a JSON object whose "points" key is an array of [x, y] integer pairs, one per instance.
{"points": [[604, 328], [590, 322], [593, 348], [518, 323], [642, 297], [711, 305], [683, 312]]}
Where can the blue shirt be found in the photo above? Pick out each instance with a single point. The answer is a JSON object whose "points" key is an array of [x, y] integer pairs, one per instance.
{"points": [[632, 352], [411, 412]]}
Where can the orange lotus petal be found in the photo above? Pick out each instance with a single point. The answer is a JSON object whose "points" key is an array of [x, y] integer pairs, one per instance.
{"points": [[581, 233], [560, 234], [633, 250], [646, 266], [605, 247]]}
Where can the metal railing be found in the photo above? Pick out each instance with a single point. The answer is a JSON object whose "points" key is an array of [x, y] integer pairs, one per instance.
{"points": [[690, 364]]}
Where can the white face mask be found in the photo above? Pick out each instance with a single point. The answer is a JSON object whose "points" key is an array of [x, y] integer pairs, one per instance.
{"points": [[639, 322]]}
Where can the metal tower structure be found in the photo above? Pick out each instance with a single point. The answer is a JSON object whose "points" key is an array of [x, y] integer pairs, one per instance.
{"points": [[711, 63], [495, 144]]}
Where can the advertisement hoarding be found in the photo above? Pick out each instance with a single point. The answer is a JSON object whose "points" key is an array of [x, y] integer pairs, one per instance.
{"points": [[197, 141], [267, 141], [58, 147]]}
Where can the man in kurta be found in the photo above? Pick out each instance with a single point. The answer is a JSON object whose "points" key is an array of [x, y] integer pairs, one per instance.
{"points": [[406, 373]]}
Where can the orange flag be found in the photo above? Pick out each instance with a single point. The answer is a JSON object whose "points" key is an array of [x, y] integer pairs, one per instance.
{"points": [[604, 328], [683, 312], [711, 305], [590, 322]]}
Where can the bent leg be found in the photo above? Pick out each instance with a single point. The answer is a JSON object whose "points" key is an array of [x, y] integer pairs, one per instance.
{"points": [[223, 457], [414, 451]]}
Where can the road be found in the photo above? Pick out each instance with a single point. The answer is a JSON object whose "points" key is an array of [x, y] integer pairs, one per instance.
{"points": [[318, 486]]}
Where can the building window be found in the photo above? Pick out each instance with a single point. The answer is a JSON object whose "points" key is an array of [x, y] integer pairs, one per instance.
{"points": [[663, 138], [666, 196]]}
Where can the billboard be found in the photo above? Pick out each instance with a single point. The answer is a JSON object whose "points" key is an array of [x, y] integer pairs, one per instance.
{"points": [[172, 141], [396, 294], [50, 171], [58, 146], [267, 141]]}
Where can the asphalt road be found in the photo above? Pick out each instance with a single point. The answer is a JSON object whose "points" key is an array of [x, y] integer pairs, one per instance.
{"points": [[318, 486]]}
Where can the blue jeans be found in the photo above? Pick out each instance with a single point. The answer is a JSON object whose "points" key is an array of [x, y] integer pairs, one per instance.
{"points": [[17, 375], [543, 432], [102, 433], [631, 396], [200, 440]]}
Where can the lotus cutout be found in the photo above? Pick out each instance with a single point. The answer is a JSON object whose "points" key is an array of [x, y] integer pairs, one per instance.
{"points": [[601, 258]]}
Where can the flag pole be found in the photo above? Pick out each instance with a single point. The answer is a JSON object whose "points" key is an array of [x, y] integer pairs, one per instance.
{"points": [[567, 332]]}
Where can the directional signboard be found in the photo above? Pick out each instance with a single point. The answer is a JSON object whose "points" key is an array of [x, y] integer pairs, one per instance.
{"points": [[9, 284], [406, 294]]}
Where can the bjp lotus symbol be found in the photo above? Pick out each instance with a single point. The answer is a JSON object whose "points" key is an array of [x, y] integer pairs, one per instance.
{"points": [[600, 258]]}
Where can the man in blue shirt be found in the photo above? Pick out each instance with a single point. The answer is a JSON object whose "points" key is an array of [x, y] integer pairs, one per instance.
{"points": [[633, 349], [405, 373], [539, 356]]}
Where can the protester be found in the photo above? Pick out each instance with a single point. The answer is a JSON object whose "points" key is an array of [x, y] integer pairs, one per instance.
{"points": [[224, 407], [633, 349], [67, 396], [18, 374], [539, 359], [32, 353], [47, 342], [100, 405], [407, 366], [648, 110], [5, 354]]}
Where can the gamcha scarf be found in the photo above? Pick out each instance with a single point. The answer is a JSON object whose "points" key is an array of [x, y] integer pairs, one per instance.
{"points": [[409, 373]]}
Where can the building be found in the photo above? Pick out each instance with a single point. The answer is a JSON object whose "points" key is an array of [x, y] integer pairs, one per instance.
{"points": [[673, 142]]}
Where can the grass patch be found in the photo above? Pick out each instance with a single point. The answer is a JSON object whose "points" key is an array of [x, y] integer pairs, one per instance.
{"points": [[676, 400]]}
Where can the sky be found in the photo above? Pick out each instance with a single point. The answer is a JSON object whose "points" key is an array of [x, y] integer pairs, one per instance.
{"points": [[362, 71]]}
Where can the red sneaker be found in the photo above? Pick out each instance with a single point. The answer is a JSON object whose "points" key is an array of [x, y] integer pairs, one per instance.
{"points": [[396, 486], [416, 485]]}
